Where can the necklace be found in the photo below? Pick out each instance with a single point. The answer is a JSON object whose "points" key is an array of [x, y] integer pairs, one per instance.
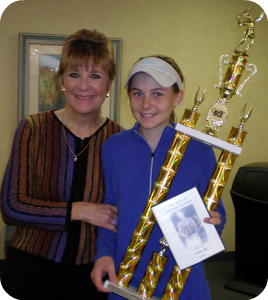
{"points": [[75, 155]]}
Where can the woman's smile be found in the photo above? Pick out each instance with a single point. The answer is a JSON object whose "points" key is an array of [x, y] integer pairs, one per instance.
{"points": [[84, 98]]}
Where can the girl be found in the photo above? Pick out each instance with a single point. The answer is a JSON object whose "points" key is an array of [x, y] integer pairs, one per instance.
{"points": [[131, 163]]}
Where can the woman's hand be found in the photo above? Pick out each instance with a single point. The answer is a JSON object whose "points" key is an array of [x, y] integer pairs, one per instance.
{"points": [[102, 215], [215, 218], [103, 266]]}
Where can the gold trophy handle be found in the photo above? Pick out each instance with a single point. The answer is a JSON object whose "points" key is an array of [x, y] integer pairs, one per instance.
{"points": [[226, 62], [247, 79]]}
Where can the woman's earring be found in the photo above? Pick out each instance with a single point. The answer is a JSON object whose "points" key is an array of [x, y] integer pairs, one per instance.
{"points": [[176, 105], [108, 94], [63, 91]]}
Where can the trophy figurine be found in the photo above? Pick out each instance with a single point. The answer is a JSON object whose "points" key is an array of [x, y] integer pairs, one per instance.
{"points": [[250, 31], [217, 116]]}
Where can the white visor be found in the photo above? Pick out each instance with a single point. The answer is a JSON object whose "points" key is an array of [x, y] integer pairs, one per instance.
{"points": [[161, 71]]}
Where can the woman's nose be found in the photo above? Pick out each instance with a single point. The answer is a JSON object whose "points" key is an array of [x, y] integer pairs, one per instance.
{"points": [[84, 84]]}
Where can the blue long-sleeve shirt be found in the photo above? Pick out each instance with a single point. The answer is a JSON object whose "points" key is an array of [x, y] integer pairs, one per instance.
{"points": [[130, 170]]}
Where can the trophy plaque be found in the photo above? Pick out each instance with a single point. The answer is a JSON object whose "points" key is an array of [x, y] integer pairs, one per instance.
{"points": [[217, 116]]}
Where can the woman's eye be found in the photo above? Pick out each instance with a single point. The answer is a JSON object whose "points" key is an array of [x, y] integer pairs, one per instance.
{"points": [[158, 94], [95, 76], [137, 94], [73, 75]]}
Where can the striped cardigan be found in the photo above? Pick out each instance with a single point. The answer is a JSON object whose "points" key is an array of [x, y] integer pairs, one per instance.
{"points": [[41, 182]]}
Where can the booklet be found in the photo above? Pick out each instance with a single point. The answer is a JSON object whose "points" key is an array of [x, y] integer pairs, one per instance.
{"points": [[189, 238]]}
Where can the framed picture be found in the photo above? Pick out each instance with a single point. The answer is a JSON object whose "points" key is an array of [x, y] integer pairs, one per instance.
{"points": [[39, 82]]}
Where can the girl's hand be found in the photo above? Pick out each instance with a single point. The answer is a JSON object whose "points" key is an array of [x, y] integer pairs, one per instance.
{"points": [[215, 218], [103, 266]]}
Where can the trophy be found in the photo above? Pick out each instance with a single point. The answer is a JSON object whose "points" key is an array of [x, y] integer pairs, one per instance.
{"points": [[217, 115]]}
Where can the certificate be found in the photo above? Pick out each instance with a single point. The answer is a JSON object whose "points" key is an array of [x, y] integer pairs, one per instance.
{"points": [[189, 238]]}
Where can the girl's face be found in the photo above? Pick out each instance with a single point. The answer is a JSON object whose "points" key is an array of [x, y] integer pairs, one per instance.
{"points": [[85, 90], [151, 104]]}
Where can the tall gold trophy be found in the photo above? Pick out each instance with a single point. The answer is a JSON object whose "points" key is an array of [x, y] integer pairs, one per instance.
{"points": [[216, 117]]}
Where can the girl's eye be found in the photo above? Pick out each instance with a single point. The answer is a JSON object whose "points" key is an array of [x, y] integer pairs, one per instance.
{"points": [[158, 94], [137, 94]]}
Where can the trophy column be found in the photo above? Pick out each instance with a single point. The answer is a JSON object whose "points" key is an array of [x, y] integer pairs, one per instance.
{"points": [[223, 168], [159, 192], [153, 271], [211, 198]]}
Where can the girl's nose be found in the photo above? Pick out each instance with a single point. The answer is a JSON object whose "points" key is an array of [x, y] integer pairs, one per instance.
{"points": [[146, 103]]}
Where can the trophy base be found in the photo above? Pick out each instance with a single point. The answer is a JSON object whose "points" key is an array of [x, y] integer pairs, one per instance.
{"points": [[129, 292]]}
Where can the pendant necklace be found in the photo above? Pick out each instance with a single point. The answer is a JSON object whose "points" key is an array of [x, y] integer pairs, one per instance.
{"points": [[75, 155]]}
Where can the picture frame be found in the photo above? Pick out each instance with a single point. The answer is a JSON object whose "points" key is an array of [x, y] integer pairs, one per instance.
{"points": [[38, 82]]}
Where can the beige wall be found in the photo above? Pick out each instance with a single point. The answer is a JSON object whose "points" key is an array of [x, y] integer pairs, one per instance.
{"points": [[194, 32]]}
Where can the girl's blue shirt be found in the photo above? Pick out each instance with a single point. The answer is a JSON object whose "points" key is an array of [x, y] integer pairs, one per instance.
{"points": [[130, 170]]}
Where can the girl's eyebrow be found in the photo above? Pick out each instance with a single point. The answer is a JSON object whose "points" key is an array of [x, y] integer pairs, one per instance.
{"points": [[135, 89], [154, 89], [158, 88]]}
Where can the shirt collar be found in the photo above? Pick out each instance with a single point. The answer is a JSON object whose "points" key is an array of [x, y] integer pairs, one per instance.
{"points": [[166, 135]]}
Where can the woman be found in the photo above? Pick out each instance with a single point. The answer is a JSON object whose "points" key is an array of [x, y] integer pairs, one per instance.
{"points": [[131, 167], [53, 187]]}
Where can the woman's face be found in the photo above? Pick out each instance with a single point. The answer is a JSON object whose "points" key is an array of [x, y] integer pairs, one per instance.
{"points": [[85, 90], [151, 104]]}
